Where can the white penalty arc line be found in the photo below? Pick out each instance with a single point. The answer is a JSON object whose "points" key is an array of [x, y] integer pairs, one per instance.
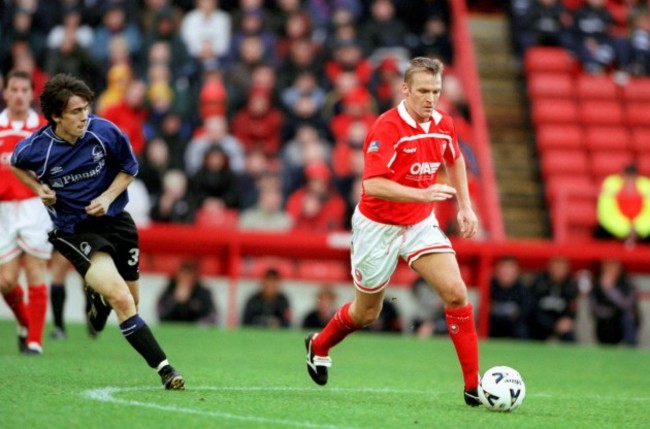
{"points": [[107, 394]]}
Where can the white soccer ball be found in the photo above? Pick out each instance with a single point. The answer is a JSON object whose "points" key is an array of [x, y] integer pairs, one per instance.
{"points": [[501, 389]]}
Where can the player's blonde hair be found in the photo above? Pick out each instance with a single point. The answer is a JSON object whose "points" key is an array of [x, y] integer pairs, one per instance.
{"points": [[423, 64]]}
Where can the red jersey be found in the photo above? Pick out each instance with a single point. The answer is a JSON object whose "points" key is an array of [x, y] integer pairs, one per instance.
{"points": [[401, 150], [11, 132]]}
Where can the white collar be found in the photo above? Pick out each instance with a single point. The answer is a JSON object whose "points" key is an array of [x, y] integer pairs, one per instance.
{"points": [[404, 114]]}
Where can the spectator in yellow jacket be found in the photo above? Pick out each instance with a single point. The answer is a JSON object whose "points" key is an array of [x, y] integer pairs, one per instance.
{"points": [[624, 207]]}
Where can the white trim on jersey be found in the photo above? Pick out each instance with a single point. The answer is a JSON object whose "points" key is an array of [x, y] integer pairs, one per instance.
{"points": [[31, 122]]}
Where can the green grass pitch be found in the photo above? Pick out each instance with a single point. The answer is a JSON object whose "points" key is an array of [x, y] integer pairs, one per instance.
{"points": [[257, 379]]}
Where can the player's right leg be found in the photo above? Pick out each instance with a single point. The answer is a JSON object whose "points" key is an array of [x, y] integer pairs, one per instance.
{"points": [[14, 296], [10, 252], [440, 271], [107, 281]]}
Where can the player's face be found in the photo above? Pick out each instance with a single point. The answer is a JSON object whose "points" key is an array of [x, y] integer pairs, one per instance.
{"points": [[18, 96], [422, 94], [72, 122]]}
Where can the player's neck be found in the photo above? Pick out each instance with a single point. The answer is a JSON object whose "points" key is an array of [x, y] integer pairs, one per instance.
{"points": [[65, 136], [18, 115]]}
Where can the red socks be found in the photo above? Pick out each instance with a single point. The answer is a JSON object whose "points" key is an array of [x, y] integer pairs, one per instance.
{"points": [[462, 330], [37, 307], [16, 302], [339, 327]]}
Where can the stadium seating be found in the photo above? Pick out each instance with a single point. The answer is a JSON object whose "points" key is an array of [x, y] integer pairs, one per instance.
{"points": [[571, 185], [589, 87], [640, 139], [637, 89], [548, 59], [637, 113], [323, 270], [601, 112], [600, 138], [545, 84], [552, 111], [605, 163], [566, 162], [559, 136]]}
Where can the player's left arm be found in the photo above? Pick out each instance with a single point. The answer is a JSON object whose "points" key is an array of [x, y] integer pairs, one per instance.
{"points": [[467, 219], [99, 206]]}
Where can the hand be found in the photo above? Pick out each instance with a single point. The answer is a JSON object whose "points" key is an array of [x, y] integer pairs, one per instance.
{"points": [[438, 192], [47, 195], [99, 206], [467, 222]]}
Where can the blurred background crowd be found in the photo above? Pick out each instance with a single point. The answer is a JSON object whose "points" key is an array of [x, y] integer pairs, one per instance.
{"points": [[246, 112]]}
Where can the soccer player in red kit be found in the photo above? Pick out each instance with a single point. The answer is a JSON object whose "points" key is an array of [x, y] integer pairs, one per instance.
{"points": [[24, 221], [395, 218]]}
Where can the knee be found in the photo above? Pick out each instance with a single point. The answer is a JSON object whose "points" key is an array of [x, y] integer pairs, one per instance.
{"points": [[120, 298], [365, 316], [455, 295]]}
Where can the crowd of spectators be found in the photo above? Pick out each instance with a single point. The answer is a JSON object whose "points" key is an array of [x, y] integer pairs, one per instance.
{"points": [[605, 35], [232, 105], [544, 305]]}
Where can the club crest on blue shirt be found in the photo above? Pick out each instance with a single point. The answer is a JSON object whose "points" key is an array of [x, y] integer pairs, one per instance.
{"points": [[98, 153], [373, 146]]}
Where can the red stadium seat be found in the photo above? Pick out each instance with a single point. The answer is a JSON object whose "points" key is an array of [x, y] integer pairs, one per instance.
{"points": [[557, 85], [255, 267], [640, 140], [548, 59], [637, 89], [552, 111], [597, 112], [571, 185], [323, 270], [605, 163], [643, 164], [637, 113], [577, 217], [562, 136], [566, 162], [600, 138], [160, 263], [573, 4], [596, 87]]}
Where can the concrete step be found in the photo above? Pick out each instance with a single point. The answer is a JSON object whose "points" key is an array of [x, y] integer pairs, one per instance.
{"points": [[506, 113]]}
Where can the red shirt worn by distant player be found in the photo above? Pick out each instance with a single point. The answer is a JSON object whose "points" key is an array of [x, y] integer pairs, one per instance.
{"points": [[401, 150], [11, 132]]}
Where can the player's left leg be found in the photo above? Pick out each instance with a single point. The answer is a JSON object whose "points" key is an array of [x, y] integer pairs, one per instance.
{"points": [[105, 279], [35, 268], [58, 271], [352, 316], [441, 271]]}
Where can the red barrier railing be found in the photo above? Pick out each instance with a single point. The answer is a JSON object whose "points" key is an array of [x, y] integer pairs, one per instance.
{"points": [[232, 246]]}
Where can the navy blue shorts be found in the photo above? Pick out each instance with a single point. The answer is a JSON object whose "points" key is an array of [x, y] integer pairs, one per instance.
{"points": [[117, 236]]}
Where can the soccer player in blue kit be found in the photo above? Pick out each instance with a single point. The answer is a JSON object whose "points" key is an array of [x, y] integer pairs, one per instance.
{"points": [[80, 166]]}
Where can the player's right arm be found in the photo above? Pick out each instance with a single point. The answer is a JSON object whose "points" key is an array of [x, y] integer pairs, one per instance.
{"points": [[386, 189], [47, 195]]}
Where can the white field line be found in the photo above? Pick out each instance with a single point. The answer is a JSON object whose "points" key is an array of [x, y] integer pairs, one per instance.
{"points": [[108, 394]]}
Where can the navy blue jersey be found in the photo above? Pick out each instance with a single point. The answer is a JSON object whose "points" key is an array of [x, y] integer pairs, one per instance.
{"points": [[78, 173]]}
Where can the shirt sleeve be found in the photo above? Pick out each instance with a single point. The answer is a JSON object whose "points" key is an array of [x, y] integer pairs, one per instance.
{"points": [[452, 151], [379, 150], [20, 158], [122, 150]]}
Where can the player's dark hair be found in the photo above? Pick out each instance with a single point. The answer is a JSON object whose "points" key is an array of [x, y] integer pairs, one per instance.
{"points": [[58, 91], [420, 64], [20, 74]]}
